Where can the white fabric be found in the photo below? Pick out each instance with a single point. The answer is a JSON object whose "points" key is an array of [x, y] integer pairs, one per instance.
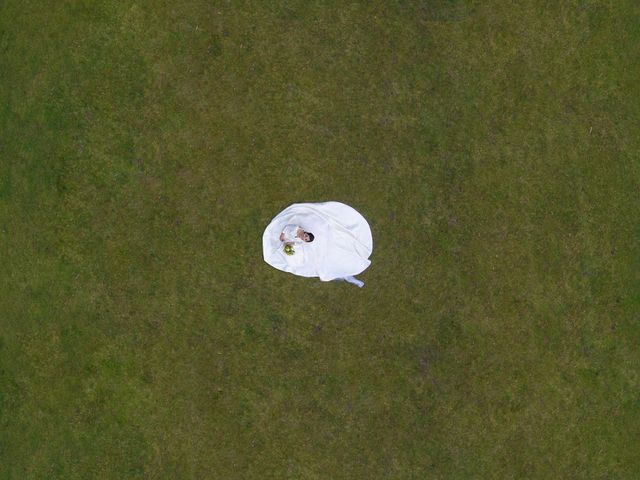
{"points": [[291, 234], [354, 280], [341, 247]]}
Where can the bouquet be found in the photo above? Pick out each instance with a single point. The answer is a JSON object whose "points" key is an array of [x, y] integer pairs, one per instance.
{"points": [[288, 249]]}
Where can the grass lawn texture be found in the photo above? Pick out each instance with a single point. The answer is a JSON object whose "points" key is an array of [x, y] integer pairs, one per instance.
{"points": [[493, 147]]}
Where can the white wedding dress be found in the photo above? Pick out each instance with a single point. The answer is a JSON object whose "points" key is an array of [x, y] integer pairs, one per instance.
{"points": [[340, 249]]}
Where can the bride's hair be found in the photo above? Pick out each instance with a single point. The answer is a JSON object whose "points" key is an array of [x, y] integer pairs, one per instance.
{"points": [[311, 237]]}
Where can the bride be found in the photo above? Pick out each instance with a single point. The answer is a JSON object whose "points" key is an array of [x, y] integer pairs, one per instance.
{"points": [[328, 240]]}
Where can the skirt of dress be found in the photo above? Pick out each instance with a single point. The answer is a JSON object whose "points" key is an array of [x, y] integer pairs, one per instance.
{"points": [[341, 247]]}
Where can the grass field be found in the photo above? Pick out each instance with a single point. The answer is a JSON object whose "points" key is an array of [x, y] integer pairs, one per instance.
{"points": [[494, 148]]}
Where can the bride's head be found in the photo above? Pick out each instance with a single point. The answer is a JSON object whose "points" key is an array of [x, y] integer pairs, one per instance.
{"points": [[307, 237]]}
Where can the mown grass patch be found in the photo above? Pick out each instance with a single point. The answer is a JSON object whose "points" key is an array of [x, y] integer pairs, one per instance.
{"points": [[493, 149]]}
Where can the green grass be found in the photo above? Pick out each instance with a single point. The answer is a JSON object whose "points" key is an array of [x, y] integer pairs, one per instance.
{"points": [[494, 149]]}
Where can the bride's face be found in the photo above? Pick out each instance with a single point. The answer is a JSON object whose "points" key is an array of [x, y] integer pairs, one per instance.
{"points": [[306, 237]]}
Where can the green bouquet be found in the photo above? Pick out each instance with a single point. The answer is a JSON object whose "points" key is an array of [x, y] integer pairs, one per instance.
{"points": [[288, 249]]}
